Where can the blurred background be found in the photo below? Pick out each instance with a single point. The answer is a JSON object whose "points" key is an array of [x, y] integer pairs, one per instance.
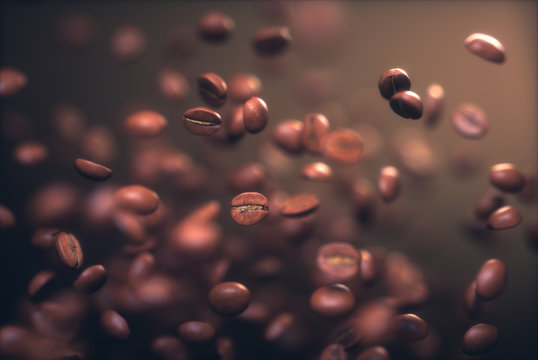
{"points": [[339, 50]]}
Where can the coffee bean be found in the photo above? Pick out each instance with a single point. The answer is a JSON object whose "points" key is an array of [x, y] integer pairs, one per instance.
{"points": [[344, 146], [69, 250], [173, 85], [300, 205], [487, 204], [145, 123], [196, 332], [507, 177], [137, 198], [128, 43], [91, 170], [407, 104], [340, 261], [44, 238], [287, 135], [212, 89], [201, 121], [486, 46], [491, 279], [393, 81], [504, 218], [333, 352], [433, 105], [271, 41], [249, 208], [389, 183], [317, 171], [229, 298], [470, 121], [11, 81], [128, 225], [169, 348], [91, 279], [374, 353], [30, 153], [7, 219], [194, 239], [479, 339], [255, 115], [215, 27], [141, 268], [98, 144], [39, 282], [115, 325], [332, 301], [77, 30], [368, 271], [409, 327], [242, 87], [235, 124], [315, 132], [471, 303], [278, 326]]}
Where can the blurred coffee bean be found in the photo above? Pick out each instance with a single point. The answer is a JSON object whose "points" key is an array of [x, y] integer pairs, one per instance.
{"points": [[479, 339], [91, 170], [374, 353], [340, 261], [69, 250], [528, 193], [234, 124], [229, 298], [532, 231], [173, 85], [69, 122], [506, 177], [91, 279], [368, 271], [115, 325], [141, 268], [201, 121], [344, 146], [11, 81], [129, 225], [226, 348], [169, 348], [195, 240], [215, 27], [491, 279], [249, 208], [196, 332], [470, 121], [333, 352], [98, 145], [30, 153], [278, 326], [407, 104], [77, 30], [44, 238], [433, 105], [389, 183], [7, 219], [409, 327], [300, 205], [488, 203], [39, 282], [145, 123], [317, 171], [332, 301], [393, 81], [13, 340], [243, 86], [314, 133], [128, 43], [471, 303], [504, 218], [287, 135], [255, 115], [465, 161], [486, 47], [54, 203], [271, 41], [212, 89], [137, 198], [415, 154]]}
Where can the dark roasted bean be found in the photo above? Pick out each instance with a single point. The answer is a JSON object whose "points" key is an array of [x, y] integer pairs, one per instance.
{"points": [[271, 41], [344, 146], [244, 86], [433, 105], [491, 279], [30, 153], [196, 332], [480, 339], [407, 104], [69, 250], [91, 170], [249, 208], [11, 82], [128, 43], [317, 171], [212, 89], [137, 198], [215, 27], [340, 261], [115, 325], [409, 327], [374, 353], [91, 279], [173, 85], [44, 238], [201, 121], [393, 81], [39, 282], [141, 268], [278, 326], [287, 135], [300, 205], [229, 298], [470, 121], [507, 177], [504, 218], [332, 301], [485, 46], [145, 123], [487, 204], [7, 219], [255, 115], [333, 352], [314, 133], [389, 183]]}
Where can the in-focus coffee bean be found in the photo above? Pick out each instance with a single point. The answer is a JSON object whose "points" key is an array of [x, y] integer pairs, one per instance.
{"points": [[506, 177], [409, 327], [137, 198], [69, 250], [196, 332], [249, 208], [91, 170], [255, 115], [11, 81], [332, 301], [300, 205], [91, 279], [115, 325], [340, 261], [470, 121], [389, 183], [215, 27], [145, 123], [504, 218], [392, 81], [317, 171], [201, 121], [271, 41], [315, 132], [212, 89], [486, 47], [407, 104], [229, 298], [287, 135], [491, 279], [479, 339]]}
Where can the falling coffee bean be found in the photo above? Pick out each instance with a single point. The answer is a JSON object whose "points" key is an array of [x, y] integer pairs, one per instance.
{"points": [[91, 170], [91, 279], [332, 301], [215, 27], [504, 218], [470, 121], [145, 124], [115, 325], [407, 104], [507, 177], [249, 208], [39, 282], [287, 135], [201, 121], [389, 183], [243, 86], [212, 89], [433, 105], [486, 47], [137, 198], [393, 81], [314, 133], [409, 327], [7, 219], [128, 43], [255, 115], [317, 171], [69, 250], [344, 146], [340, 261], [196, 332], [229, 298], [491, 279], [333, 352], [271, 41], [374, 353], [11, 81], [300, 205], [480, 339]]}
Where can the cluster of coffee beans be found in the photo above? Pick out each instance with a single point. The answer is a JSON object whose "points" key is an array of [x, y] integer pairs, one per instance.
{"points": [[148, 241]]}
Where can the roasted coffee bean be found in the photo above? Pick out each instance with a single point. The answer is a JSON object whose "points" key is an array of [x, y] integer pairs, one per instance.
{"points": [[201, 121], [145, 123], [128, 224], [271, 41], [169, 348], [491, 279], [300, 205], [255, 115], [504, 218], [128, 43], [91, 279], [69, 250], [44, 238], [235, 124], [30, 153], [229, 298], [215, 27], [507, 177], [480, 339], [212, 89], [409, 327], [470, 121], [389, 183], [374, 353], [333, 352], [433, 105], [487, 204], [173, 85], [332, 301], [407, 104], [141, 268], [242, 87], [76, 30], [7, 219], [344, 146], [115, 325], [340, 261], [471, 303], [137, 198], [393, 81], [249, 208], [91, 170], [317, 171], [486, 46], [278, 326], [39, 282], [315, 132], [196, 332], [368, 271], [287, 135], [196, 240], [11, 82]]}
